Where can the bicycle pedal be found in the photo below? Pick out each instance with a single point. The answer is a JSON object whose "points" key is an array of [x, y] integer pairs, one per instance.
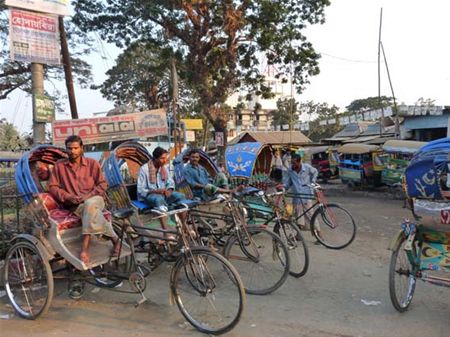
{"points": [[141, 301]]}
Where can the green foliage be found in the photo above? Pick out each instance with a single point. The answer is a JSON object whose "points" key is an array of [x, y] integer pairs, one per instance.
{"points": [[321, 111], [9, 137], [369, 103], [286, 113], [219, 42], [17, 75]]}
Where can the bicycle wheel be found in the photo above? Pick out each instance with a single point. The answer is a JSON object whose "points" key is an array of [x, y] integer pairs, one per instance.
{"points": [[28, 280], [402, 279], [260, 257], [208, 291], [292, 237], [333, 226]]}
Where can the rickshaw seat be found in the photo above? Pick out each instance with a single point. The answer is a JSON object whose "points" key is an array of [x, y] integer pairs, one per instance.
{"points": [[140, 205], [64, 218]]}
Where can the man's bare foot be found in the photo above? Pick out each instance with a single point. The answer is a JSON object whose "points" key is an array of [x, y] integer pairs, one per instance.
{"points": [[84, 257]]}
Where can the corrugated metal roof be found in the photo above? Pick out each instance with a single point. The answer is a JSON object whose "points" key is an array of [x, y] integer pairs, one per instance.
{"points": [[353, 129], [273, 137], [361, 139], [426, 122]]}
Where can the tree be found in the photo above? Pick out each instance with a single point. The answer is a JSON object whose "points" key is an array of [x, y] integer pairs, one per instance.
{"points": [[141, 79], [17, 75], [321, 112], [428, 102], [10, 139], [369, 103], [286, 113], [219, 42]]}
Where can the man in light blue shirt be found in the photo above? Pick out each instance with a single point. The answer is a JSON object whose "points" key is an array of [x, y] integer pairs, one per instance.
{"points": [[155, 187], [298, 180]]}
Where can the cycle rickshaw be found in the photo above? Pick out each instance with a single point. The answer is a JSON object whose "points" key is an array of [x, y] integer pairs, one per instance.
{"points": [[420, 249], [200, 282], [259, 255]]}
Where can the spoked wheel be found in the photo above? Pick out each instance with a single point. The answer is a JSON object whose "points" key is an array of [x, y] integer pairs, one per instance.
{"points": [[292, 237], [28, 280], [333, 226], [103, 278], [402, 279], [260, 257], [208, 291]]}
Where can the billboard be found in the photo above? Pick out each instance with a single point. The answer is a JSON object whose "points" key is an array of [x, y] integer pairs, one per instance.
{"points": [[34, 37], [149, 123], [59, 7]]}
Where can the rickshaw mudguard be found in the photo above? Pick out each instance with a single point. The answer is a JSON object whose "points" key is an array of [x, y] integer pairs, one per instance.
{"points": [[396, 240], [46, 255]]}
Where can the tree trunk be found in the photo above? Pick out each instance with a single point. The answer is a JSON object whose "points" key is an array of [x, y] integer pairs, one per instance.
{"points": [[219, 121]]}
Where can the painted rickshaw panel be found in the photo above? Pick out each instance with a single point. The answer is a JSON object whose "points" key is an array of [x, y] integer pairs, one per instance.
{"points": [[249, 163]]}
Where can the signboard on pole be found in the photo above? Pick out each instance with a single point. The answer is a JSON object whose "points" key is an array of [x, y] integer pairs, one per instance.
{"points": [[59, 7], [193, 124], [105, 129], [34, 37], [190, 136], [45, 109]]}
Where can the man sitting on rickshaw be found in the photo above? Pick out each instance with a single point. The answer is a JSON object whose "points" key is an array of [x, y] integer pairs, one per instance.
{"points": [[79, 185], [198, 179], [156, 188]]}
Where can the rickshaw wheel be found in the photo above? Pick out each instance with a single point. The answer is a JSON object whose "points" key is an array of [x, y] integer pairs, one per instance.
{"points": [[28, 280], [402, 280]]}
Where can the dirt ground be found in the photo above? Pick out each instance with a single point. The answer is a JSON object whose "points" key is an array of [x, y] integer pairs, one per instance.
{"points": [[326, 302]]}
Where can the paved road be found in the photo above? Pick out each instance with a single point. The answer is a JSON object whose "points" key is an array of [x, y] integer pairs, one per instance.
{"points": [[326, 302]]}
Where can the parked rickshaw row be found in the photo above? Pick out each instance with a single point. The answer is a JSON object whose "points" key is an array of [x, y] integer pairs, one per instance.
{"points": [[258, 239], [364, 165]]}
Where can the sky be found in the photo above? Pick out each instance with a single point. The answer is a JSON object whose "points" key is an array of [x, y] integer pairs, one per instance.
{"points": [[415, 36]]}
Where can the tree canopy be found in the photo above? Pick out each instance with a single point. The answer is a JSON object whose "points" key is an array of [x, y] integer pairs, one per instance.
{"points": [[286, 113], [321, 111], [369, 103], [219, 43]]}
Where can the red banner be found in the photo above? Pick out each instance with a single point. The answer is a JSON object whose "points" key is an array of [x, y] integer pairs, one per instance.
{"points": [[105, 129]]}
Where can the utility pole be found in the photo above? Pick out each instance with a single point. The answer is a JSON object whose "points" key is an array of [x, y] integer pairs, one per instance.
{"points": [[176, 121], [397, 124], [37, 87], [67, 69], [379, 76]]}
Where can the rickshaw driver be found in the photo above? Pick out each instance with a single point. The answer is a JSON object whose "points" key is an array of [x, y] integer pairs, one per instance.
{"points": [[79, 185], [155, 187], [299, 179], [198, 179]]}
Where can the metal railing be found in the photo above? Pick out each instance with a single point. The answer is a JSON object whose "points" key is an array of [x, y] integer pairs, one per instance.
{"points": [[11, 219]]}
